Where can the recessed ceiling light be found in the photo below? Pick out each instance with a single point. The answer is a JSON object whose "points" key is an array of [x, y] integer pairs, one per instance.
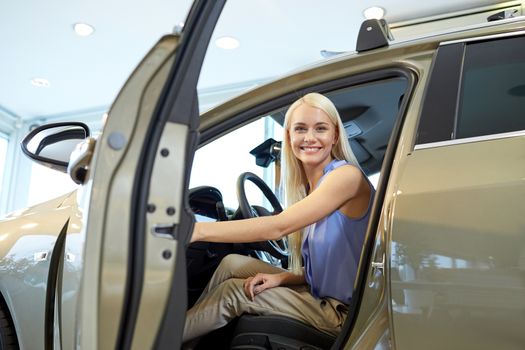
{"points": [[374, 12], [227, 42], [40, 82], [83, 29]]}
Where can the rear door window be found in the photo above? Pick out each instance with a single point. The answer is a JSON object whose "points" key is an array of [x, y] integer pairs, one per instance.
{"points": [[477, 89], [492, 89]]}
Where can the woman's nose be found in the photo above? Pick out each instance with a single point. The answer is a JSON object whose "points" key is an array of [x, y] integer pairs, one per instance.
{"points": [[308, 135]]}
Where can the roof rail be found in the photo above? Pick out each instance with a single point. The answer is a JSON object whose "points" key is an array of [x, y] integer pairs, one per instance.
{"points": [[374, 33], [503, 15]]}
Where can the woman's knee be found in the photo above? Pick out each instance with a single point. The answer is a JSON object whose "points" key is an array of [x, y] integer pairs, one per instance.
{"points": [[231, 286], [230, 295], [232, 263]]}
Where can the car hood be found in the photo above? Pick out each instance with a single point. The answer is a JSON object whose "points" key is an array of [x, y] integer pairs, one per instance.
{"points": [[42, 220], [50, 204]]}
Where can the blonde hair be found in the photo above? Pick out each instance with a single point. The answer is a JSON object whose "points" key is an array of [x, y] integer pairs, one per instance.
{"points": [[295, 182]]}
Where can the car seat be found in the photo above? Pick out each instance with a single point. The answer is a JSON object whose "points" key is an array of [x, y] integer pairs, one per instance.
{"points": [[277, 332]]}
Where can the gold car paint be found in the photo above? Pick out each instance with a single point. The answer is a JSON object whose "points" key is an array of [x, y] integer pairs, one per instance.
{"points": [[366, 334], [34, 209], [161, 248], [109, 188], [442, 202], [459, 247], [69, 276], [373, 327], [25, 262]]}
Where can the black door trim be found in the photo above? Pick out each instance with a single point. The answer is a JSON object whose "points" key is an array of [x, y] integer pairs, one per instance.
{"points": [[52, 284]]}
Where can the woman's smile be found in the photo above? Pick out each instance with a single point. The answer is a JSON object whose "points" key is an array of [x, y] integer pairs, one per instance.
{"points": [[310, 149]]}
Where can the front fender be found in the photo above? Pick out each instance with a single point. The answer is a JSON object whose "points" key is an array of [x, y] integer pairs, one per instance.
{"points": [[27, 239]]}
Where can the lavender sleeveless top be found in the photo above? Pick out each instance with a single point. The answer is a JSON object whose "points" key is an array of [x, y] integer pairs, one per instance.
{"points": [[331, 249]]}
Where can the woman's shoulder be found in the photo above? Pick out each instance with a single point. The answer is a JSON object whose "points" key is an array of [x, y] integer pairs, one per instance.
{"points": [[341, 166], [344, 174]]}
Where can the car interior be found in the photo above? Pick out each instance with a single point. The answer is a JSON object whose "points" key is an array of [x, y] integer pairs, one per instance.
{"points": [[369, 112]]}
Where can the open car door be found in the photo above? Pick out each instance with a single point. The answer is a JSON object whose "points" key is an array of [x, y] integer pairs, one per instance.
{"points": [[136, 224]]}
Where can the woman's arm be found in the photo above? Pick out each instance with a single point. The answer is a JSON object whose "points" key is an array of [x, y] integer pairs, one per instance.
{"points": [[340, 186]]}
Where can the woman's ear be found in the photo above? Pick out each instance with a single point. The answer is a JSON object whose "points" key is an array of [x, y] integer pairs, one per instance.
{"points": [[336, 136]]}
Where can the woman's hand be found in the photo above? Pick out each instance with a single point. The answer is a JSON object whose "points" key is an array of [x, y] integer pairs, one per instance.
{"points": [[261, 281]]}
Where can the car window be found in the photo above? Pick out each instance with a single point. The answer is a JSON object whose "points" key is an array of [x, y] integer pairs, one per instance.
{"points": [[229, 156], [368, 122], [476, 89], [493, 88]]}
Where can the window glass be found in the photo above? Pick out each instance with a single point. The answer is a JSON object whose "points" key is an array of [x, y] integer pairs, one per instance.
{"points": [[374, 179], [493, 88], [3, 154], [220, 162]]}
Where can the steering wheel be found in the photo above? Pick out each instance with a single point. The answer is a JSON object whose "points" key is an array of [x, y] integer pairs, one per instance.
{"points": [[277, 248]]}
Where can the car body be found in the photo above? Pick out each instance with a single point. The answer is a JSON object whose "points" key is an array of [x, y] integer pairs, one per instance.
{"points": [[443, 266]]}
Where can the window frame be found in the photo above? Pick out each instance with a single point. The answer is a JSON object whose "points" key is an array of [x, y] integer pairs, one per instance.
{"points": [[441, 83], [372, 243], [9, 131], [4, 136]]}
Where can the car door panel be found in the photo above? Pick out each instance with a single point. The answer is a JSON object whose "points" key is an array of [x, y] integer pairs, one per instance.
{"points": [[162, 245], [108, 193], [458, 267], [372, 324], [138, 224], [69, 277], [177, 112], [458, 242], [29, 276]]}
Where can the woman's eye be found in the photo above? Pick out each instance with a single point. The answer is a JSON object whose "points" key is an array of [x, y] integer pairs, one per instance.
{"points": [[299, 129], [322, 129]]}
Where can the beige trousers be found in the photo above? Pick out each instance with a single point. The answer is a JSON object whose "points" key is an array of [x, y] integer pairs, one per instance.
{"points": [[223, 299]]}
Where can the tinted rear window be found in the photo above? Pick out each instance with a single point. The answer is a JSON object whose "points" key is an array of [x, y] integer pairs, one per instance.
{"points": [[492, 97]]}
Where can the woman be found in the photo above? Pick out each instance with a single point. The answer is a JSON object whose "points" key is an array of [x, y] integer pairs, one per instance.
{"points": [[328, 206]]}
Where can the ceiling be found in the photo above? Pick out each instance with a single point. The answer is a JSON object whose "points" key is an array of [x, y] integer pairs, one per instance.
{"points": [[86, 73]]}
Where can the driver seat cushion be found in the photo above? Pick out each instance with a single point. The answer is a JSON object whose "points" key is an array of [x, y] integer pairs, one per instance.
{"points": [[278, 332]]}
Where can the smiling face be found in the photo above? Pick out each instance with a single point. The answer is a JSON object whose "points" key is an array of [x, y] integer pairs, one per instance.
{"points": [[312, 136]]}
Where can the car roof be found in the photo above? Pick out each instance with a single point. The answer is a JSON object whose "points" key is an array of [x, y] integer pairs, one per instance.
{"points": [[383, 56]]}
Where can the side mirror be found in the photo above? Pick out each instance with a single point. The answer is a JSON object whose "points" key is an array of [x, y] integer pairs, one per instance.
{"points": [[51, 144]]}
